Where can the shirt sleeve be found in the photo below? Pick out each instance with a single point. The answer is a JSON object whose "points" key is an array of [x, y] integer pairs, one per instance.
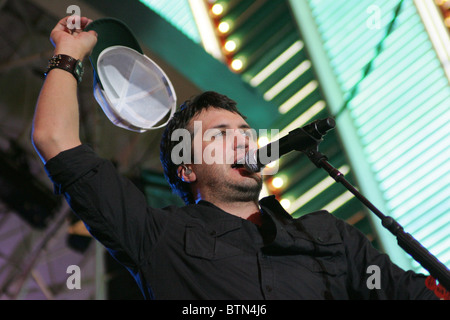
{"points": [[113, 209], [372, 275]]}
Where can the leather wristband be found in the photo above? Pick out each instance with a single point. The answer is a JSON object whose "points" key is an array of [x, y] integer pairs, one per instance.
{"points": [[67, 63]]}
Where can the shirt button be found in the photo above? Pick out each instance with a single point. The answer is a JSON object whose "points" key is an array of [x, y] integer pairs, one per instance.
{"points": [[269, 288]]}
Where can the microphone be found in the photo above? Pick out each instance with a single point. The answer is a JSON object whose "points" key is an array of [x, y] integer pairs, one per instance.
{"points": [[300, 139]]}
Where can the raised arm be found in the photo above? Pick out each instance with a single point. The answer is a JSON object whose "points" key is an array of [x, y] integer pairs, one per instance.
{"points": [[56, 119]]}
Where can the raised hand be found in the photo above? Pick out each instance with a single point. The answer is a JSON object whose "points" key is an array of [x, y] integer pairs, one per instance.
{"points": [[71, 41]]}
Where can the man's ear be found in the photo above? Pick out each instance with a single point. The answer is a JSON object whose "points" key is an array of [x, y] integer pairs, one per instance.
{"points": [[186, 174]]}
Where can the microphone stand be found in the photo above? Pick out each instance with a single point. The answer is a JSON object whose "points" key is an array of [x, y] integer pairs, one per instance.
{"points": [[408, 243]]}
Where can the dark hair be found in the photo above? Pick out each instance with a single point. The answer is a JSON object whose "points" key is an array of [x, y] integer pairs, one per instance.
{"points": [[180, 120]]}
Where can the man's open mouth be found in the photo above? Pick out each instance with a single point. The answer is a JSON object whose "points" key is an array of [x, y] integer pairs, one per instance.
{"points": [[242, 169]]}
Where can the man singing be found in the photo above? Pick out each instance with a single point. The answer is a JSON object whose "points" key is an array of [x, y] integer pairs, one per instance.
{"points": [[224, 243]]}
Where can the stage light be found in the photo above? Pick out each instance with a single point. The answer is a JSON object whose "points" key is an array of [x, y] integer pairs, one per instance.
{"points": [[298, 97], [305, 117], [316, 191], [217, 9], [230, 46], [272, 164], [285, 203], [262, 141], [287, 80], [339, 202], [277, 63], [206, 29], [277, 182], [237, 64], [224, 27]]}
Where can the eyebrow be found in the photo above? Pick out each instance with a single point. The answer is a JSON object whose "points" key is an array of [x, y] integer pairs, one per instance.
{"points": [[225, 126]]}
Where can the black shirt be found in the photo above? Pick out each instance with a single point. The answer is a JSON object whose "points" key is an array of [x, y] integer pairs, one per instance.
{"points": [[201, 252]]}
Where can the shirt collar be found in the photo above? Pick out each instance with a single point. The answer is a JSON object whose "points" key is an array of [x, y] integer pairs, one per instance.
{"points": [[219, 221], [276, 221], [275, 218]]}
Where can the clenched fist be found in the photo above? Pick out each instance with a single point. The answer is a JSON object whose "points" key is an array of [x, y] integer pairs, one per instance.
{"points": [[71, 41]]}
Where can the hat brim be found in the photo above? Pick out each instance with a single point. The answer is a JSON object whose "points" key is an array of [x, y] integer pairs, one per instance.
{"points": [[116, 38], [115, 65]]}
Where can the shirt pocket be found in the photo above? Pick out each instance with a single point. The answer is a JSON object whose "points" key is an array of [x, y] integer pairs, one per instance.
{"points": [[324, 251], [201, 243], [330, 265]]}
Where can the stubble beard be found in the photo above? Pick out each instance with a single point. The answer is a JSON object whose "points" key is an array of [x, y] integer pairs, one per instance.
{"points": [[233, 191]]}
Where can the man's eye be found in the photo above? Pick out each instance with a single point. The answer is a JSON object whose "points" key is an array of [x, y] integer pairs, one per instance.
{"points": [[248, 133], [219, 133]]}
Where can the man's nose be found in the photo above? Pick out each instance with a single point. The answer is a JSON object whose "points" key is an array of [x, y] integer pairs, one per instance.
{"points": [[240, 140]]}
